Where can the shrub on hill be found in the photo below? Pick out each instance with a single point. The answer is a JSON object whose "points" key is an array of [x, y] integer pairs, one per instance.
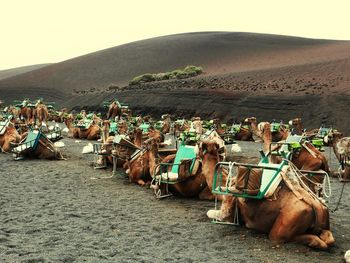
{"points": [[187, 72]]}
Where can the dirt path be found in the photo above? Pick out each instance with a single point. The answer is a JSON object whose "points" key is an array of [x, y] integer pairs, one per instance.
{"points": [[52, 211]]}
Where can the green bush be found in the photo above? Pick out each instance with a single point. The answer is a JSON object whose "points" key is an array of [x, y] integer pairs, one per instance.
{"points": [[187, 72], [143, 78]]}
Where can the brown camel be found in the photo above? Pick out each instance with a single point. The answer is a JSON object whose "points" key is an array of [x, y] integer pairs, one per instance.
{"points": [[138, 167], [299, 130], [243, 134], [166, 124], [27, 113], [341, 148], [15, 112], [45, 149], [306, 157], [277, 136], [297, 126], [114, 110], [8, 137], [294, 215], [199, 182], [41, 114], [91, 133]]}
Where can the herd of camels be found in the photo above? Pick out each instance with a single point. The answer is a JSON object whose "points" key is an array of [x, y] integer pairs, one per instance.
{"points": [[148, 150]]}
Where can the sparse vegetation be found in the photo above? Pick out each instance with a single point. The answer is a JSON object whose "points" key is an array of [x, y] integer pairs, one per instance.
{"points": [[187, 72]]}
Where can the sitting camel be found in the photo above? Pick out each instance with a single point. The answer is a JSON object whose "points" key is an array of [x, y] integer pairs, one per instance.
{"points": [[166, 124], [279, 135], [244, 134], [305, 157], [195, 183], [91, 133], [293, 215], [43, 149]]}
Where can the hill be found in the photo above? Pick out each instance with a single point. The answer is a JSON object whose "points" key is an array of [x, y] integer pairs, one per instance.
{"points": [[268, 76]]}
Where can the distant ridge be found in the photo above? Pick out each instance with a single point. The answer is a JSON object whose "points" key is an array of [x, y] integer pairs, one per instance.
{"points": [[8, 73]]}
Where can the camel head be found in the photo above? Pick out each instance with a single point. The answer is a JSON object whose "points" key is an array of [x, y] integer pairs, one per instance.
{"points": [[155, 134], [208, 147], [343, 146], [295, 122], [250, 120], [332, 137]]}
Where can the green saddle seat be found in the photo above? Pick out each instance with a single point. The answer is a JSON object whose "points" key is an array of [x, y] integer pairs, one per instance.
{"points": [[31, 142], [113, 128], [323, 132], [184, 152], [235, 128], [144, 127], [275, 127], [3, 125]]}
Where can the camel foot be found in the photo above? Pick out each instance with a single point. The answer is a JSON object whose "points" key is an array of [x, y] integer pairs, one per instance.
{"points": [[327, 237], [214, 214], [141, 182], [312, 241]]}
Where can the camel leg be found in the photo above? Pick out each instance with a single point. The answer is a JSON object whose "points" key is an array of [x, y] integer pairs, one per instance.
{"points": [[284, 229], [226, 212], [141, 182], [206, 194], [312, 241]]}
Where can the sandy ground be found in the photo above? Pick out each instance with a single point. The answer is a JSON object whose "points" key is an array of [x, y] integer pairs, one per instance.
{"points": [[52, 211]]}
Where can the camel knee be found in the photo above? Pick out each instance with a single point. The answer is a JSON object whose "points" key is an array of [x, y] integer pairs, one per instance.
{"points": [[327, 237], [312, 241]]}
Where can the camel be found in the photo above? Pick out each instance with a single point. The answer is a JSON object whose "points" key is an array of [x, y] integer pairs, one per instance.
{"points": [[341, 148], [91, 133], [181, 125], [196, 125], [306, 157], [299, 130], [27, 112], [8, 137], [294, 215], [241, 133], [41, 113], [297, 126], [277, 136], [166, 124], [57, 116], [197, 183], [114, 110], [45, 149], [15, 112]]}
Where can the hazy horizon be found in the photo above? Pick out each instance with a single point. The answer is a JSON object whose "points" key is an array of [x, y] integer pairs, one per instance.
{"points": [[40, 31]]}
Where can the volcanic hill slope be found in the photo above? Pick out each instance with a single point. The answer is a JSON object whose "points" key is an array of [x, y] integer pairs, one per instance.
{"points": [[245, 74]]}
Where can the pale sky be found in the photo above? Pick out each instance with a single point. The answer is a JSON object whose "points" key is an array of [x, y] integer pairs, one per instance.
{"points": [[45, 31]]}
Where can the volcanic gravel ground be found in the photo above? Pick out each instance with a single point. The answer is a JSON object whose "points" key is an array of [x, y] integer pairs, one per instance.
{"points": [[52, 211]]}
